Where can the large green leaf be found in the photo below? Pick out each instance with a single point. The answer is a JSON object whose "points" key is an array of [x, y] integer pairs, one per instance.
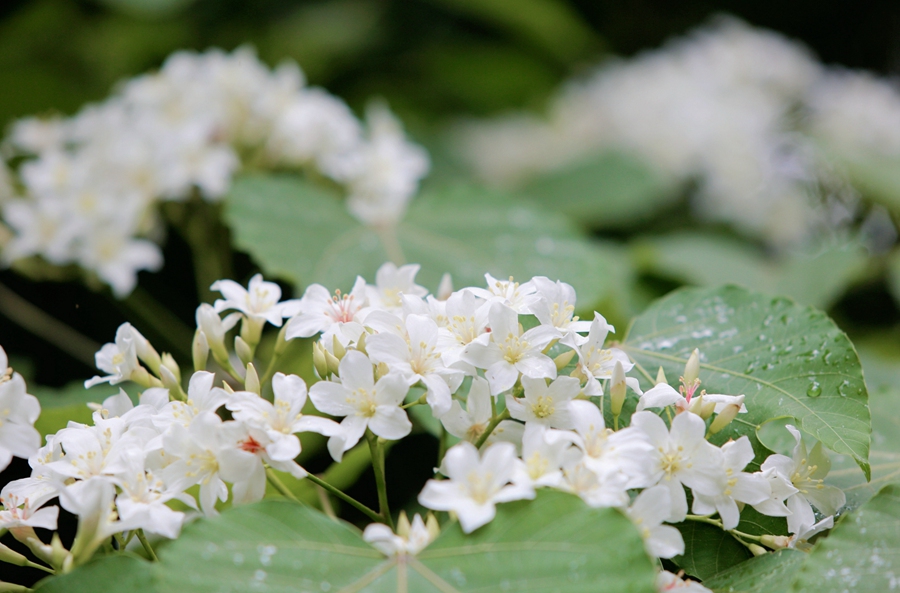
{"points": [[861, 554], [609, 190], [763, 574], [303, 233], [114, 574], [882, 367], [552, 543], [815, 278], [708, 550], [788, 360]]}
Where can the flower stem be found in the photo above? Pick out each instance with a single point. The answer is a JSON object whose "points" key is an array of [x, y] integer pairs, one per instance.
{"points": [[279, 485], [704, 519], [490, 427], [346, 498], [147, 547], [419, 402], [378, 465]]}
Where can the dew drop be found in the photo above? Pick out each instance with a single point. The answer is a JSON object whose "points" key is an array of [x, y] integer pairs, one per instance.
{"points": [[844, 388], [814, 389]]}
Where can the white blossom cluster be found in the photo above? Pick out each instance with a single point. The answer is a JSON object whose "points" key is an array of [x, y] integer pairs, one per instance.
{"points": [[523, 404], [85, 189], [743, 112]]}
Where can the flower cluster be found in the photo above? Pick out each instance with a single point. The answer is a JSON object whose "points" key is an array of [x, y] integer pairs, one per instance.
{"points": [[524, 407], [742, 111], [86, 187]]}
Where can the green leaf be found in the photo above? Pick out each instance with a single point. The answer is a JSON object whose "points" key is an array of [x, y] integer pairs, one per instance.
{"points": [[708, 550], [786, 359], [112, 574], [609, 190], [861, 554], [555, 542], [883, 379], [303, 233], [763, 574], [876, 176], [815, 277]]}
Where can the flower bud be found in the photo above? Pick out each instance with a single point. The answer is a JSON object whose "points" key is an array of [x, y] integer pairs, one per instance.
{"points": [[757, 550], [144, 378], [361, 343], [724, 418], [251, 380], [776, 542], [381, 370], [146, 352], [661, 376], [337, 348], [432, 525], [445, 288], [171, 383], [563, 360], [215, 329], [281, 342], [692, 368], [251, 329], [12, 557], [169, 362], [200, 351], [403, 525], [617, 389], [332, 363], [243, 350], [319, 362], [707, 409]]}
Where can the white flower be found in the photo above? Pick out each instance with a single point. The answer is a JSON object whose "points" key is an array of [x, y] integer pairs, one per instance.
{"points": [[518, 297], [467, 318], [202, 397], [647, 512], [391, 282], [476, 484], [319, 310], [667, 581], [120, 359], [259, 300], [469, 424], [543, 457], [416, 357], [143, 497], [363, 402], [596, 363], [282, 418], [410, 538], [681, 456], [806, 471], [215, 328], [597, 486], [556, 307], [20, 513], [507, 351], [544, 404], [781, 489], [18, 412], [736, 487]]}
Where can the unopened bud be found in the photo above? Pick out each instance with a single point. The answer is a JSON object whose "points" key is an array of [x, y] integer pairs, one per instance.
{"points": [[361, 343], [617, 389], [168, 361], [432, 525], [337, 348], [724, 418], [757, 550], [171, 383], [445, 288], [228, 388], [145, 351], [661, 376], [707, 409], [12, 557], [251, 330], [333, 364], [696, 405], [381, 370], [776, 542], [692, 368], [200, 351], [251, 380], [319, 362], [243, 350], [403, 525], [143, 378], [59, 555], [563, 360], [281, 342]]}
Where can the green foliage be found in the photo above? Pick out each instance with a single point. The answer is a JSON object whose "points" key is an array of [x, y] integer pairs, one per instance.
{"points": [[815, 278], [609, 190], [554, 542], [762, 574], [786, 359], [300, 232], [708, 550]]}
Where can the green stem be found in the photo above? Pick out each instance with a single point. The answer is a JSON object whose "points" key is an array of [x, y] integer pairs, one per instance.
{"points": [[48, 328], [419, 402], [279, 485], [46, 569], [741, 534], [703, 519], [348, 499], [147, 547], [490, 427], [442, 446], [381, 483]]}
